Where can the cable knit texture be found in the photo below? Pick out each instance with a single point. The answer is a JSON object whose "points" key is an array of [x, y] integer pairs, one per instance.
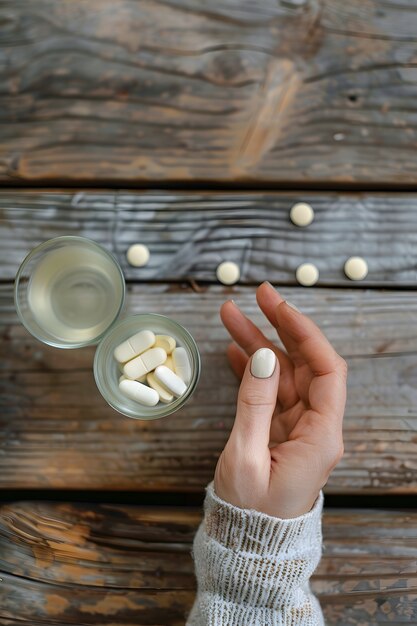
{"points": [[253, 569]]}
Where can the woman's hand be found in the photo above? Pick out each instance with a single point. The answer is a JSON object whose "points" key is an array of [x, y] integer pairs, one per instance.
{"points": [[287, 434]]}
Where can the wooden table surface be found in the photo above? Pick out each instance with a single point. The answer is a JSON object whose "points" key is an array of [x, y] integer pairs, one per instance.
{"points": [[193, 128]]}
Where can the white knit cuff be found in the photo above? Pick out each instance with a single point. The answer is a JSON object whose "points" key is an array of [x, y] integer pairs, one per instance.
{"points": [[254, 569], [248, 530]]}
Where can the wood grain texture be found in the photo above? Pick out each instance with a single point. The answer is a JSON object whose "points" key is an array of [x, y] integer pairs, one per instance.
{"points": [[111, 564], [58, 432], [282, 91], [189, 234]]}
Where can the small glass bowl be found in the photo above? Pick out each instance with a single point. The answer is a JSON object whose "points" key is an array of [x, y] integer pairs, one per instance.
{"points": [[100, 273], [107, 372]]}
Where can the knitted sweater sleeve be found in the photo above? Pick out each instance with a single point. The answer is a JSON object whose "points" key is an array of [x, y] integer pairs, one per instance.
{"points": [[253, 569]]}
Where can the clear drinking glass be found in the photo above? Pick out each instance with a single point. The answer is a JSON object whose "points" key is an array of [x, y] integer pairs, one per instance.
{"points": [[69, 291]]}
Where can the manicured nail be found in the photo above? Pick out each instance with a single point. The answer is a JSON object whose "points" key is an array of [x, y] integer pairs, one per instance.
{"points": [[292, 306], [263, 363]]}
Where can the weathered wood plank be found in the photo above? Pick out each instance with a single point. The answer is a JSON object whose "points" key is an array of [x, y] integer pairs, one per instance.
{"points": [[287, 91], [83, 564], [189, 234], [58, 431]]}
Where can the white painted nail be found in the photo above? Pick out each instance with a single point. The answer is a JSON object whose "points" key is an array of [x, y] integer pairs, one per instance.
{"points": [[263, 363], [292, 306]]}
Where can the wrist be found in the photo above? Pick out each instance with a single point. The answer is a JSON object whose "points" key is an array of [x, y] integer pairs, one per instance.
{"points": [[290, 510], [281, 504]]}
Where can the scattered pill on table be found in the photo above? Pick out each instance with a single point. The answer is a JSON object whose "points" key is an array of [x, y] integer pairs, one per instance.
{"points": [[307, 274], [139, 392], [170, 380], [228, 273], [144, 363], [356, 268], [166, 342], [301, 214], [134, 346], [181, 364], [164, 394], [138, 255]]}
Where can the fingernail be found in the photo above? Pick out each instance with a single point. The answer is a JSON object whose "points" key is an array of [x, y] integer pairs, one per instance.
{"points": [[270, 284], [263, 363], [292, 306]]}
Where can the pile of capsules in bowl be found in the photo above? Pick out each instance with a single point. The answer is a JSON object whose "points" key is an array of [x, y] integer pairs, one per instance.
{"points": [[153, 368]]}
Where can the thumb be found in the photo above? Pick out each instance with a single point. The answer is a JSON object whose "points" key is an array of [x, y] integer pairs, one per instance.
{"points": [[256, 402]]}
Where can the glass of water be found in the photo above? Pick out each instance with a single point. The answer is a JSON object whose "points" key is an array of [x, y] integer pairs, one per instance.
{"points": [[69, 291]]}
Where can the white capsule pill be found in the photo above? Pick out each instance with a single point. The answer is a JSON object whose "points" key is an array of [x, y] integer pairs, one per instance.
{"points": [[181, 363], [139, 393], [170, 380], [228, 273], [135, 345], [142, 379], [301, 214], [144, 363], [138, 255], [164, 395], [307, 274], [356, 268], [166, 342]]}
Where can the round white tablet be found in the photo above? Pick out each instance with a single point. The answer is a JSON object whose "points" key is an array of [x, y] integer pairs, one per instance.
{"points": [[307, 274], [356, 268], [228, 273], [301, 214], [138, 255]]}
